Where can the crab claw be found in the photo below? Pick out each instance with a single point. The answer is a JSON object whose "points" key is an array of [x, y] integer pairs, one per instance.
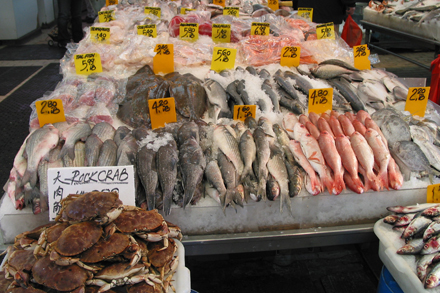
{"points": [[22, 279]]}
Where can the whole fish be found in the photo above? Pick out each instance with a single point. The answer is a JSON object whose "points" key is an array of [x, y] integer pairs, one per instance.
{"points": [[283, 140], [411, 209], [432, 245], [431, 230], [267, 126], [267, 88], [301, 82], [328, 71], [231, 89], [347, 125], [38, 145], [289, 121], [421, 138], [272, 188], [395, 177], [147, 171], [404, 220], [248, 152], [93, 147], [324, 126], [391, 219], [230, 179], [214, 177], [120, 133], [239, 129], [349, 93], [126, 153], [166, 164], [187, 131], [339, 63], [104, 131], [410, 158], [349, 161], [108, 154], [277, 168], [414, 246], [218, 98], [296, 178], [250, 122], [192, 165], [335, 126], [432, 211], [228, 144], [292, 105], [314, 118], [395, 129], [287, 87], [381, 155], [79, 131], [371, 90], [263, 155], [313, 130], [241, 90], [333, 160], [298, 131], [423, 263], [418, 224], [369, 123], [53, 162]]}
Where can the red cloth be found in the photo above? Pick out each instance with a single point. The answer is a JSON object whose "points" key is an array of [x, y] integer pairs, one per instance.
{"points": [[434, 92], [351, 32]]}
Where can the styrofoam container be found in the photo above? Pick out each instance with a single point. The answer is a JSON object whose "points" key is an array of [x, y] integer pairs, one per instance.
{"points": [[402, 267], [182, 278]]}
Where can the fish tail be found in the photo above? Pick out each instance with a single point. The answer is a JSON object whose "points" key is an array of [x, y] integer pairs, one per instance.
{"points": [[338, 184], [167, 201], [261, 193], [383, 178], [328, 182], [69, 150], [395, 180], [355, 184], [29, 176]]}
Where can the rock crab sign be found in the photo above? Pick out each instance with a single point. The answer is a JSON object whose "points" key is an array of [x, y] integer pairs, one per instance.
{"points": [[79, 180]]}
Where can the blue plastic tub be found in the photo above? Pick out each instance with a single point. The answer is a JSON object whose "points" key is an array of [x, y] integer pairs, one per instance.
{"points": [[387, 284]]}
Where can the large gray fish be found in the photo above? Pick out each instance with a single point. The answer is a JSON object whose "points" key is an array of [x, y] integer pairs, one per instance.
{"points": [[104, 131], [187, 131], [291, 105], [414, 246], [120, 133], [432, 230], [147, 170], [248, 152], [79, 131], [263, 155], [340, 63], [192, 166], [421, 138], [166, 163], [382, 115], [231, 89], [38, 145], [267, 88], [141, 132], [227, 143], [218, 98], [371, 90], [126, 153], [301, 82], [93, 147], [410, 158], [264, 74], [230, 179], [250, 122], [277, 168], [108, 154], [328, 71], [349, 93], [214, 177], [286, 86], [53, 162]]}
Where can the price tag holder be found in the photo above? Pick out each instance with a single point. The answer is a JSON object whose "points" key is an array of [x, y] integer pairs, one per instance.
{"points": [[78, 180], [433, 193], [111, 2], [223, 58], [50, 111], [325, 31], [106, 16], [100, 34], [152, 10], [184, 10], [320, 100], [219, 2], [241, 112], [163, 61], [148, 30], [290, 56], [273, 4], [361, 60], [87, 63], [416, 100], [260, 29], [221, 33], [189, 31], [306, 13], [233, 11], [162, 111]]}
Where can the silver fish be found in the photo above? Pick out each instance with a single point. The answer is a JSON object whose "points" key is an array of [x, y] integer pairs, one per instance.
{"points": [[411, 209], [328, 71], [248, 152], [93, 146], [231, 89], [431, 230], [301, 82], [230, 179], [432, 245], [404, 220], [421, 138], [349, 92], [423, 263], [272, 188], [277, 168], [239, 130], [107, 154], [391, 219], [79, 131], [214, 177], [146, 168], [417, 224], [371, 90], [395, 129], [267, 88], [166, 162], [414, 246], [432, 211], [433, 278], [263, 155], [241, 90], [104, 131], [227, 143], [410, 158], [339, 63], [218, 98]]}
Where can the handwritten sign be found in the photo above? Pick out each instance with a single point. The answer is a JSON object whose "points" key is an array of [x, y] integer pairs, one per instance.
{"points": [[219, 2], [306, 13], [290, 56], [325, 31], [416, 100], [100, 34], [79, 180], [162, 111], [189, 31], [361, 60], [233, 11], [106, 16], [320, 100], [152, 10], [148, 30], [221, 32], [241, 112], [433, 193], [184, 10], [50, 111], [223, 58], [111, 2], [87, 63], [260, 29], [163, 61], [273, 4]]}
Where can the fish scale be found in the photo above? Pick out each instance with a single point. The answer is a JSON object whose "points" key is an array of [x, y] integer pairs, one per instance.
{"points": [[277, 168], [228, 144]]}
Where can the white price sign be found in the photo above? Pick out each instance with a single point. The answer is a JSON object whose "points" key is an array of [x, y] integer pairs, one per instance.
{"points": [[79, 180]]}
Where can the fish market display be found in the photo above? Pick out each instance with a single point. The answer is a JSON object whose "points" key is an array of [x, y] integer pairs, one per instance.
{"points": [[96, 242]]}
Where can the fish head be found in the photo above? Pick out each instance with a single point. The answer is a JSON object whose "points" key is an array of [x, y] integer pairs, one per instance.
{"points": [[431, 282]]}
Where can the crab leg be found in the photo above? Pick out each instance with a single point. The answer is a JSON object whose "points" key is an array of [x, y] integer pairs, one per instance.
{"points": [[137, 256]]}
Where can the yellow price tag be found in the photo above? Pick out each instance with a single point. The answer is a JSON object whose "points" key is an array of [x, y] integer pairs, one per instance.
{"points": [[219, 2], [325, 31], [106, 16], [148, 30], [111, 2], [221, 33], [320, 100], [361, 60], [184, 10], [290, 56], [223, 58], [233, 11], [87, 63], [163, 61], [50, 111], [273, 4], [260, 29], [189, 31], [433, 193], [152, 10], [100, 34], [241, 112], [416, 100], [306, 13], [162, 111]]}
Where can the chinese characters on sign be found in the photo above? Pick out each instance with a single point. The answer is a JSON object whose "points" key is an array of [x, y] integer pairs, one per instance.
{"points": [[223, 58], [306, 13], [189, 31], [325, 31], [106, 16], [148, 30]]}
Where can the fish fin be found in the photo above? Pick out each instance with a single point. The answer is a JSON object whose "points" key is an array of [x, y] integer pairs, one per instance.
{"points": [[338, 184], [167, 201], [383, 178], [395, 180]]}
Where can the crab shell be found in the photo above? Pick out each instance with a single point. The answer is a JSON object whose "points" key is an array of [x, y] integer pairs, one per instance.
{"points": [[102, 207], [94, 289], [145, 288], [105, 249], [138, 220], [61, 278], [22, 260], [4, 283], [158, 258], [54, 232], [77, 238]]}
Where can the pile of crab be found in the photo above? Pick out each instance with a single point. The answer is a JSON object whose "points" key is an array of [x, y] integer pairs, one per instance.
{"points": [[95, 244]]}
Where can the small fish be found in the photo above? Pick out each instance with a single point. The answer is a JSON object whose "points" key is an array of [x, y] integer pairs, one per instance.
{"points": [[278, 170], [391, 219], [381, 155], [250, 122], [263, 155], [217, 97], [248, 151], [335, 126], [411, 209], [432, 211], [108, 154], [414, 246], [187, 131], [431, 230], [231, 89], [395, 177], [272, 188], [289, 121], [228, 144], [404, 220], [349, 161], [329, 71], [432, 245], [324, 126], [346, 124], [417, 224], [423, 263]]}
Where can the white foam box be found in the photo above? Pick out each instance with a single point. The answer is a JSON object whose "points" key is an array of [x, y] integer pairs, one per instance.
{"points": [[182, 277], [402, 267]]}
